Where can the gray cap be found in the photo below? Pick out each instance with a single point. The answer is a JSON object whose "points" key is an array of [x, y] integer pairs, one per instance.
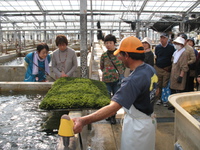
{"points": [[165, 35], [183, 35]]}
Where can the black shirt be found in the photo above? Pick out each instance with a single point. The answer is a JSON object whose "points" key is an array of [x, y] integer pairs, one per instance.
{"points": [[164, 55]]}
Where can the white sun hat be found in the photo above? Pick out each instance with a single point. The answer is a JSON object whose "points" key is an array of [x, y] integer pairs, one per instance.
{"points": [[146, 39], [179, 40]]}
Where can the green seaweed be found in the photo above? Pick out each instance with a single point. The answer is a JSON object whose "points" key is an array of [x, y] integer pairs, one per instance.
{"points": [[195, 111], [76, 93]]}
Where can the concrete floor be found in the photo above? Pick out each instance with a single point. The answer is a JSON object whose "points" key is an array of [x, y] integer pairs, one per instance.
{"points": [[103, 135], [165, 136], [165, 128]]}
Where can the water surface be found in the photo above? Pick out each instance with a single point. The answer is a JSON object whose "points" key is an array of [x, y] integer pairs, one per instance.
{"points": [[21, 123], [14, 62], [194, 111]]}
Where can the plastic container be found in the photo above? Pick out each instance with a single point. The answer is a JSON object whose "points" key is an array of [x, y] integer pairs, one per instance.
{"points": [[186, 127]]}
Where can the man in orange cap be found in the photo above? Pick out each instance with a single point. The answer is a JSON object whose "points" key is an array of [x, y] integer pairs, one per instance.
{"points": [[136, 96]]}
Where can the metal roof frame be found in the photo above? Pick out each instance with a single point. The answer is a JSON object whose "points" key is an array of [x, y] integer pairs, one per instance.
{"points": [[134, 10]]}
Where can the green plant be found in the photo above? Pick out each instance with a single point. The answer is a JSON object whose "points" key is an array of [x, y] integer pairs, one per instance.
{"points": [[76, 93]]}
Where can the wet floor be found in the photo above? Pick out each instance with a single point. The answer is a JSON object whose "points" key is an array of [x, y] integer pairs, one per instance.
{"points": [[21, 123]]}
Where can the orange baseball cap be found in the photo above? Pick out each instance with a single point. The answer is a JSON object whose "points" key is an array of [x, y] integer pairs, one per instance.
{"points": [[130, 44]]}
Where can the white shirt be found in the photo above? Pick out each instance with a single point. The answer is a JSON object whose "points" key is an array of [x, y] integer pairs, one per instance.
{"points": [[177, 54]]}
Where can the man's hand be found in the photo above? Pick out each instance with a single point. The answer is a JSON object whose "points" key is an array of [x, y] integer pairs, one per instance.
{"points": [[78, 125]]}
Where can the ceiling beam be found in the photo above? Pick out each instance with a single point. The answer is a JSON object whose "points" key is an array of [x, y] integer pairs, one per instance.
{"points": [[142, 7], [57, 29], [51, 14], [39, 5], [193, 7], [89, 20], [89, 11]]}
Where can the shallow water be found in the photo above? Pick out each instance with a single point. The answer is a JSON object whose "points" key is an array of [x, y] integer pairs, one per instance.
{"points": [[15, 62], [21, 123], [194, 111], [20, 61]]}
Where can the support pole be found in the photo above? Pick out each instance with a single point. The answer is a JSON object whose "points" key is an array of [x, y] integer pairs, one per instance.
{"points": [[1, 39], [45, 26], [92, 25], [83, 33], [1, 33], [20, 41], [138, 26]]}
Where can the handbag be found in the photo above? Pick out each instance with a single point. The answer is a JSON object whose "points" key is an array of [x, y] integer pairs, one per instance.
{"points": [[121, 76]]}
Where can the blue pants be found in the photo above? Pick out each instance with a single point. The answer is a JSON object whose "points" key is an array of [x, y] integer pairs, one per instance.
{"points": [[112, 87], [166, 92]]}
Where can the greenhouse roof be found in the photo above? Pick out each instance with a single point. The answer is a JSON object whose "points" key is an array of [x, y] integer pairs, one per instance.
{"points": [[112, 14]]}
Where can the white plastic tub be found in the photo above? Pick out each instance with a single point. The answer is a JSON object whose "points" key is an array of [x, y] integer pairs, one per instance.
{"points": [[187, 128]]}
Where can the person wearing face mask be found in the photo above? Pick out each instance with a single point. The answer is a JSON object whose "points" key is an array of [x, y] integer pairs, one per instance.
{"points": [[112, 69], [163, 56], [189, 49], [179, 67]]}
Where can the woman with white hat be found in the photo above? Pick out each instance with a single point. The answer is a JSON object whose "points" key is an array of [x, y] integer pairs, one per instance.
{"points": [[149, 56], [179, 66]]}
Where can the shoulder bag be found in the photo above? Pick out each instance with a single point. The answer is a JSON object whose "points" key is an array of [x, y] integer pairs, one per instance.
{"points": [[121, 76]]}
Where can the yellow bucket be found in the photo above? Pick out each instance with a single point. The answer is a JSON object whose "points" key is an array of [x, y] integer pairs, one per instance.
{"points": [[66, 127]]}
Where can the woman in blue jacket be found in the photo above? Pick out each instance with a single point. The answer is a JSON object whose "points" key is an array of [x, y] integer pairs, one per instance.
{"points": [[37, 64]]}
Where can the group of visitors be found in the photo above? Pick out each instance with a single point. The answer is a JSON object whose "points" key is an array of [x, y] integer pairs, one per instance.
{"points": [[175, 74], [64, 61], [176, 66], [170, 68]]}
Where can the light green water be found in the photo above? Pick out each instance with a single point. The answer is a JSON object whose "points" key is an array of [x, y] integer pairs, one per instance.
{"points": [[194, 111]]}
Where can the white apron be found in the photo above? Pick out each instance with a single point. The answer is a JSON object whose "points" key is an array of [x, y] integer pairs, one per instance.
{"points": [[138, 131]]}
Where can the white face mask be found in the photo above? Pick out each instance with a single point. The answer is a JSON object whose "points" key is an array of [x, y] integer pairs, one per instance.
{"points": [[178, 47]]}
